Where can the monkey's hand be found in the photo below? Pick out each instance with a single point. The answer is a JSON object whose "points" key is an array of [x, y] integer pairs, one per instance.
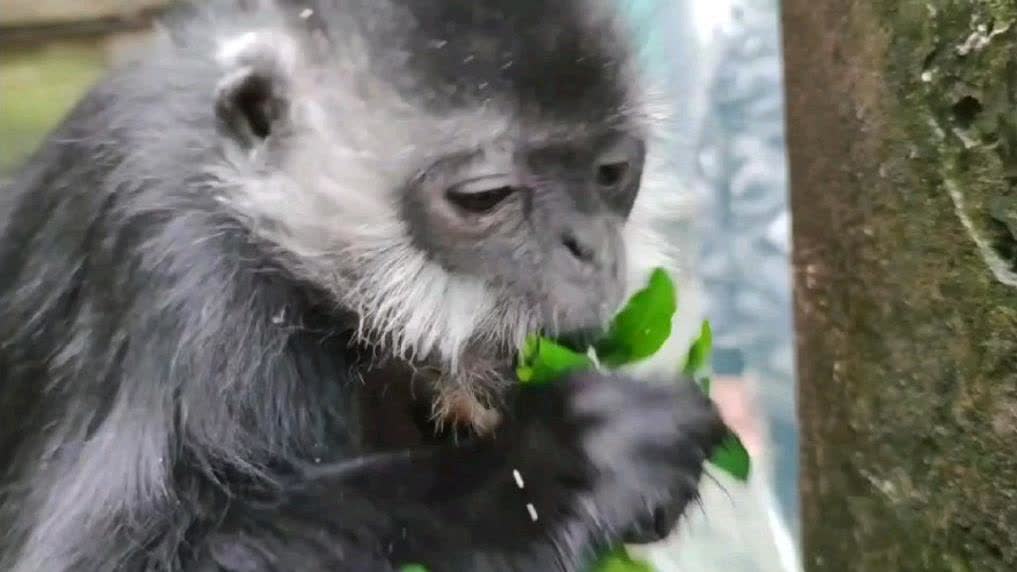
{"points": [[576, 465], [626, 454]]}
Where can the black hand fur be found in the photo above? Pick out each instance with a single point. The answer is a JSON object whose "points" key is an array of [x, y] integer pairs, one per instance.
{"points": [[461, 507]]}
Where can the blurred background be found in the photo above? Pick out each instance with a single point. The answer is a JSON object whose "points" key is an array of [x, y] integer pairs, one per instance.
{"points": [[720, 61]]}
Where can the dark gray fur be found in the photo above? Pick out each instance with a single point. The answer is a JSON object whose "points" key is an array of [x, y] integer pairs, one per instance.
{"points": [[167, 378]]}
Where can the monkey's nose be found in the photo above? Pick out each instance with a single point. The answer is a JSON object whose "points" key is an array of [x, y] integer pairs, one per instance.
{"points": [[580, 249], [587, 239]]}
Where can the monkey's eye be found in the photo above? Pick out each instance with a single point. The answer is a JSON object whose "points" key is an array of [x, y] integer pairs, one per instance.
{"points": [[611, 174], [480, 196]]}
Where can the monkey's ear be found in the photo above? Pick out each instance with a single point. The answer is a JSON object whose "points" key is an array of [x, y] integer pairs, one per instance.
{"points": [[251, 99]]}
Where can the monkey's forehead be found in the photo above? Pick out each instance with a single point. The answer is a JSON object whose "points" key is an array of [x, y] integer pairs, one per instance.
{"points": [[562, 58]]}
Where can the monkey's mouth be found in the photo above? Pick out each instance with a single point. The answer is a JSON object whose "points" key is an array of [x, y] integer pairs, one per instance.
{"points": [[582, 312], [579, 340]]}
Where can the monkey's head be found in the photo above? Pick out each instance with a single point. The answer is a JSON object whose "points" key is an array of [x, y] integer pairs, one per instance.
{"points": [[458, 173]]}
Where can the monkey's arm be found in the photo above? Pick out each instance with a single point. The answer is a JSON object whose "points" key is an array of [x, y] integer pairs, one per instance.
{"points": [[575, 467]]}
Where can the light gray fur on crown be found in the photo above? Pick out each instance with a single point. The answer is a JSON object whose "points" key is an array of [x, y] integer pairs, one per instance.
{"points": [[331, 203]]}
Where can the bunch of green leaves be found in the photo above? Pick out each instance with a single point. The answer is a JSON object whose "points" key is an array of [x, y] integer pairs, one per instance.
{"points": [[638, 331]]}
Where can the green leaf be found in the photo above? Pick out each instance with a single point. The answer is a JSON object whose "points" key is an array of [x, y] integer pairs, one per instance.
{"points": [[543, 360], [643, 325], [732, 458], [704, 384], [619, 560], [698, 359], [697, 362], [412, 568]]}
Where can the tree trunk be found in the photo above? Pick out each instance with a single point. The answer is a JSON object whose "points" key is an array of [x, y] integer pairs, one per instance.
{"points": [[902, 139]]}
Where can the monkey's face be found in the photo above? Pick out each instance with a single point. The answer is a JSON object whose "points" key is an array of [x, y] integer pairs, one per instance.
{"points": [[457, 174], [538, 220]]}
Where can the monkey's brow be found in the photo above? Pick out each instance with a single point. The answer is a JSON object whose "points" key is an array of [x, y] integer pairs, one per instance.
{"points": [[499, 152], [461, 160], [469, 159], [451, 166]]}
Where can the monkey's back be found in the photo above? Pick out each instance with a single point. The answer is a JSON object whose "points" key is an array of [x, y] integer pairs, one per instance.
{"points": [[130, 298]]}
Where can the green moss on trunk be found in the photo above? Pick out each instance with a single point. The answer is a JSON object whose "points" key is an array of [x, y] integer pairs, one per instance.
{"points": [[903, 146]]}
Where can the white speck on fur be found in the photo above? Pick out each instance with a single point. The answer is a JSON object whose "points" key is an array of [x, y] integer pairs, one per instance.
{"points": [[532, 510], [279, 316], [519, 479]]}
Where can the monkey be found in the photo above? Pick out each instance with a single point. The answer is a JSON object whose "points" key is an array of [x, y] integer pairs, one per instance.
{"points": [[251, 273]]}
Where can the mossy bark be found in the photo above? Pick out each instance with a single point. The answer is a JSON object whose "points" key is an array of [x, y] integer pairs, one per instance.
{"points": [[902, 119]]}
